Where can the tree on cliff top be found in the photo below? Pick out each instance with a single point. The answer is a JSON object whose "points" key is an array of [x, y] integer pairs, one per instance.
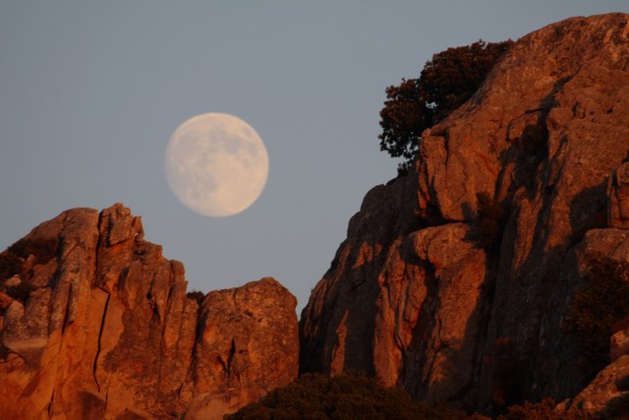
{"points": [[446, 82]]}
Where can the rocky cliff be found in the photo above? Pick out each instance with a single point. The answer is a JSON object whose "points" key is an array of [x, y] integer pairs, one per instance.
{"points": [[496, 271], [96, 323], [416, 299]]}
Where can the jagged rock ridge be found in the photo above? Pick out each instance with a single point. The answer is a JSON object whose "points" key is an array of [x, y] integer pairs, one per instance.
{"points": [[96, 323], [410, 296]]}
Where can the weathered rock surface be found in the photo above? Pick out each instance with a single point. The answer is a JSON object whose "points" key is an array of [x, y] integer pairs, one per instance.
{"points": [[248, 347], [98, 325], [607, 396], [614, 245], [422, 341], [410, 297], [618, 198], [338, 324]]}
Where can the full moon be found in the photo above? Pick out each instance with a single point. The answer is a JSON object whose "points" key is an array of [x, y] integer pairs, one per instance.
{"points": [[216, 164]]}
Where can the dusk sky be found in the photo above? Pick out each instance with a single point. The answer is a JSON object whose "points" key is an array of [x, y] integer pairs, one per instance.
{"points": [[90, 93]]}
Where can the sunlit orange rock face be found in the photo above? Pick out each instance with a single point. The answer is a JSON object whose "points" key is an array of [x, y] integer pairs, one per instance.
{"points": [[248, 346], [96, 323], [108, 330], [412, 298]]}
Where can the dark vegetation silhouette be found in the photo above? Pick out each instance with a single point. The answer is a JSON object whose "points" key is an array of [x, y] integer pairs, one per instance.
{"points": [[349, 396], [346, 396], [13, 259], [10, 265], [446, 82], [42, 249], [196, 295], [599, 310]]}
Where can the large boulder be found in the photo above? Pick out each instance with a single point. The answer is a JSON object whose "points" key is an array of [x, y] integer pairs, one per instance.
{"points": [[248, 346]]}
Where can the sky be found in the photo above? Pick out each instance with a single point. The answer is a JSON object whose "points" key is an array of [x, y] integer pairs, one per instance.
{"points": [[90, 93]]}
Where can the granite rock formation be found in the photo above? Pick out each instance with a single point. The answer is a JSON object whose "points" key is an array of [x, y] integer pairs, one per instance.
{"points": [[413, 298], [248, 347], [608, 394], [96, 323], [455, 282]]}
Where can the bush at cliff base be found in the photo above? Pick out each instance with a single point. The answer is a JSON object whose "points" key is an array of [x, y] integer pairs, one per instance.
{"points": [[346, 396]]}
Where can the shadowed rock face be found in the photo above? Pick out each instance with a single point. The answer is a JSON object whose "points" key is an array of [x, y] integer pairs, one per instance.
{"points": [[607, 396], [412, 299], [108, 330], [618, 196]]}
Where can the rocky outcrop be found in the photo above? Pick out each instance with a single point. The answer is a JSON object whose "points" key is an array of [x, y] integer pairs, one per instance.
{"points": [[248, 346], [608, 395], [428, 315], [96, 323], [413, 298], [338, 324]]}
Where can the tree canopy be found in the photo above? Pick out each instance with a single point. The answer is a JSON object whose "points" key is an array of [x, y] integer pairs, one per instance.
{"points": [[446, 82]]}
